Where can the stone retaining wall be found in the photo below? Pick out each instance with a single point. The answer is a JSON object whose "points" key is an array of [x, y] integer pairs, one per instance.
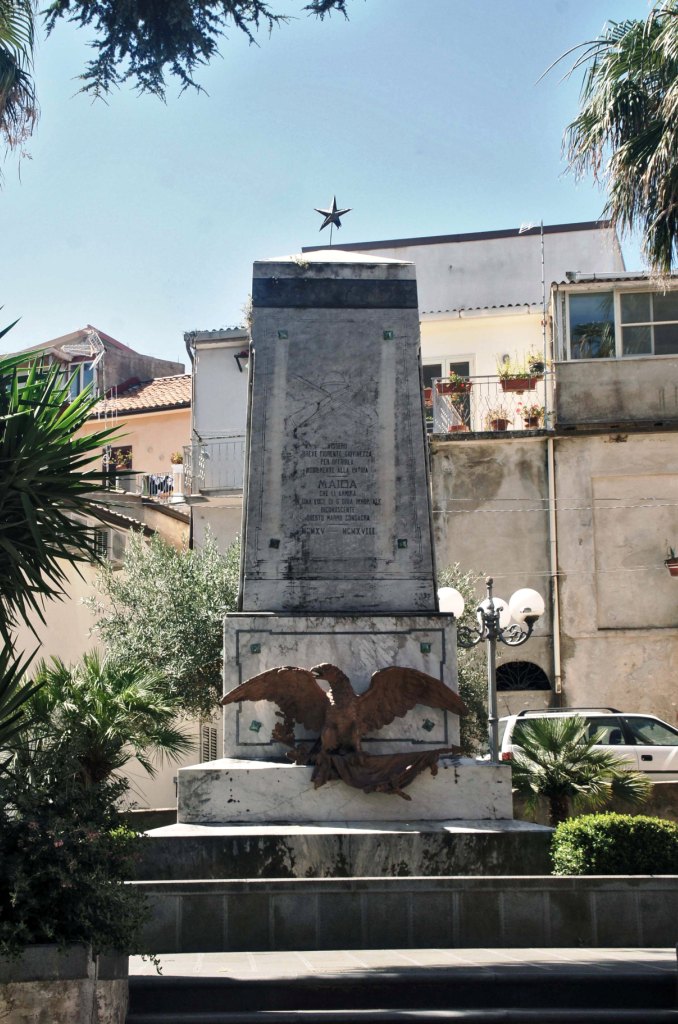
{"points": [[369, 913]]}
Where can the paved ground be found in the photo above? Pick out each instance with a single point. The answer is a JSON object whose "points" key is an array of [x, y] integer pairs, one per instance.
{"points": [[249, 966]]}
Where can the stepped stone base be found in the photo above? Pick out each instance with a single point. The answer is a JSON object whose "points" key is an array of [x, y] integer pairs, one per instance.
{"points": [[258, 792], [345, 849]]}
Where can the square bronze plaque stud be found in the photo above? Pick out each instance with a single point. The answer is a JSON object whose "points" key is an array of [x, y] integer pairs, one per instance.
{"points": [[283, 335], [402, 543], [274, 542], [254, 725], [425, 648], [255, 648], [428, 725], [389, 335]]}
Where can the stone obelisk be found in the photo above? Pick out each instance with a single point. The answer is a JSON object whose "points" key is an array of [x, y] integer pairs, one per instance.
{"points": [[337, 559]]}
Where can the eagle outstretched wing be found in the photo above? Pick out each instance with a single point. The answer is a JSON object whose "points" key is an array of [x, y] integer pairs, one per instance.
{"points": [[295, 690], [395, 691]]}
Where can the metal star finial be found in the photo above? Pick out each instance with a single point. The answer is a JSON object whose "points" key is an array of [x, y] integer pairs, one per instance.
{"points": [[332, 215]]}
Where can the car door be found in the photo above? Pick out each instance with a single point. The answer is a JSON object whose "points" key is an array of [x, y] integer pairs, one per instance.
{"points": [[614, 736], [656, 746]]}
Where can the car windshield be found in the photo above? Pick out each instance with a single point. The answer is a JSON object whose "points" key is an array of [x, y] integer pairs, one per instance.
{"points": [[651, 731]]}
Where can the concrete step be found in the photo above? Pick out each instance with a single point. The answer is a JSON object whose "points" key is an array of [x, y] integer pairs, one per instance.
{"points": [[508, 1016], [414, 985]]}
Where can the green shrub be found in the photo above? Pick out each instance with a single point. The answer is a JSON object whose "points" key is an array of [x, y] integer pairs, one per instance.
{"points": [[615, 844], [64, 859]]}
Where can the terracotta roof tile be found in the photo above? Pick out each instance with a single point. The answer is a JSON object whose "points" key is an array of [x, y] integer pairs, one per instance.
{"points": [[150, 396]]}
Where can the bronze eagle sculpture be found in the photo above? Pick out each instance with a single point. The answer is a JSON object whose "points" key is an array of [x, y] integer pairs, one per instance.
{"points": [[342, 718]]}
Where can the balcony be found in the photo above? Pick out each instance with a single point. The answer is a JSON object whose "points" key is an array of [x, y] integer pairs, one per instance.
{"points": [[215, 464], [609, 394], [488, 404]]}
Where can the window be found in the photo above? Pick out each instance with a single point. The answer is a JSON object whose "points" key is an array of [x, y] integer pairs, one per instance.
{"points": [[650, 732], [592, 326], [120, 458], [100, 542], [79, 375], [521, 675], [649, 323], [208, 743]]}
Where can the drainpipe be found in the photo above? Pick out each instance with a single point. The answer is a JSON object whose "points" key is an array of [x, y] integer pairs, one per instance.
{"points": [[553, 557]]}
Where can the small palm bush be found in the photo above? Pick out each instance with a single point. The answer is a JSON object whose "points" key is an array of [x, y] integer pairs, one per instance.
{"points": [[615, 844], [556, 759]]}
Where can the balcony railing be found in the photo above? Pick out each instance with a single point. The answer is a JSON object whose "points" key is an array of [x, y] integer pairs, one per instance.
{"points": [[214, 465], [489, 404], [167, 486]]}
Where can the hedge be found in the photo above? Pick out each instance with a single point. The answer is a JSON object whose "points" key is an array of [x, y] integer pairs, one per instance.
{"points": [[615, 844]]}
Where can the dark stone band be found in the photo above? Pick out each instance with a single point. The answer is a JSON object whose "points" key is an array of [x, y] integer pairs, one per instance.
{"points": [[342, 293]]}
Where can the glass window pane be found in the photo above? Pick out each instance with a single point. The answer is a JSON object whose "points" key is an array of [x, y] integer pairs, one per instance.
{"points": [[665, 339], [429, 371], [592, 326], [665, 306], [87, 374], [652, 732], [607, 729], [635, 308], [636, 341]]}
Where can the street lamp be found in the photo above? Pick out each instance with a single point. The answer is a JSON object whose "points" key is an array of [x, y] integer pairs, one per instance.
{"points": [[512, 624]]}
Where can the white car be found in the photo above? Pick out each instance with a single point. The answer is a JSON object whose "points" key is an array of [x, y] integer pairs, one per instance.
{"points": [[647, 743]]}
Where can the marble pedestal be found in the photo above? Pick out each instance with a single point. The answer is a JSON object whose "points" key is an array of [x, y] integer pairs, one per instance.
{"points": [[258, 792], [358, 645]]}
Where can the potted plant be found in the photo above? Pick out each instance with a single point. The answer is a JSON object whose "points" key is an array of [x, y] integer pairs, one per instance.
{"points": [[498, 418], [177, 458], [533, 415], [536, 363], [516, 376], [428, 397], [454, 385], [671, 563]]}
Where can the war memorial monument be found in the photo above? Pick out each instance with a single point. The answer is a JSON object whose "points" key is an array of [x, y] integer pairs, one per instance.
{"points": [[338, 573]]}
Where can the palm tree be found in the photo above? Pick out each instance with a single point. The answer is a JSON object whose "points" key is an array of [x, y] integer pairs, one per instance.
{"points": [[556, 759], [18, 104], [45, 478], [626, 133], [106, 713]]}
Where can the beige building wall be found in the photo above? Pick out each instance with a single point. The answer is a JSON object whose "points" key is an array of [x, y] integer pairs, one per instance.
{"points": [[617, 499], [481, 339], [490, 516], [154, 436]]}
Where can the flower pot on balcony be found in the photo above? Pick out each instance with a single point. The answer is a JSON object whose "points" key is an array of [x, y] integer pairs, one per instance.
{"points": [[453, 387], [672, 565], [455, 428], [428, 397], [518, 384], [499, 424], [532, 422]]}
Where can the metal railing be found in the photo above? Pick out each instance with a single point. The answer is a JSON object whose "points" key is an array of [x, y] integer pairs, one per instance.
{"points": [[166, 486], [489, 404], [215, 464]]}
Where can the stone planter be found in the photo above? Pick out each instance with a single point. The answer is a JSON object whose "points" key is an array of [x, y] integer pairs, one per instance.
{"points": [[49, 985]]}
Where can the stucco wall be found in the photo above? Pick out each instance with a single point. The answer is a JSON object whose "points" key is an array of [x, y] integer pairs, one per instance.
{"points": [[480, 340], [153, 436], [618, 496], [501, 270], [220, 391], [616, 499], [489, 515]]}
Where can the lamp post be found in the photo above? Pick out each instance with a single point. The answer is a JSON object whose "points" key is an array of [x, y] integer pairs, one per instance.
{"points": [[511, 624]]}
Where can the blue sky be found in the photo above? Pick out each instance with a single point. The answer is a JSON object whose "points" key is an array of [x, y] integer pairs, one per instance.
{"points": [[425, 116]]}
